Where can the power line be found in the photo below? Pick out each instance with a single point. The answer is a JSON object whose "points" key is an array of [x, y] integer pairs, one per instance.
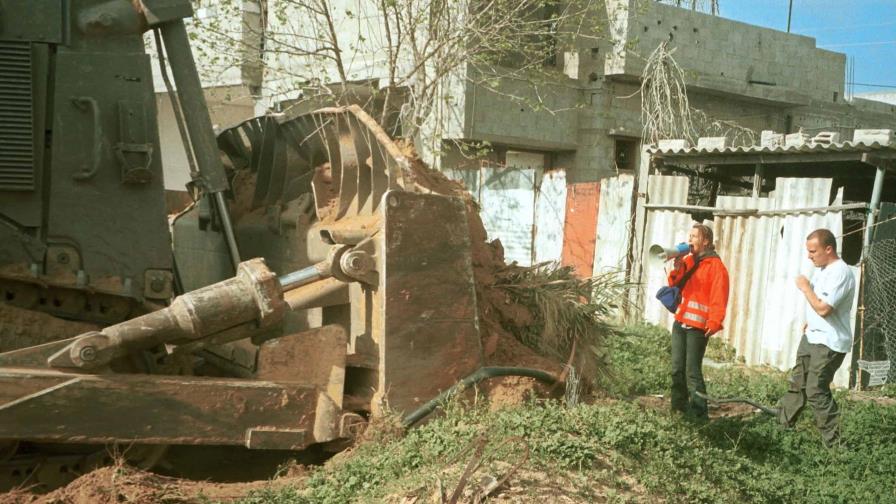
{"points": [[882, 42], [874, 85], [844, 27]]}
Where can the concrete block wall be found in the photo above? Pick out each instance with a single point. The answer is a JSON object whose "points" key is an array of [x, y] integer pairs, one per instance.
{"points": [[728, 52], [746, 113], [542, 116], [843, 118]]}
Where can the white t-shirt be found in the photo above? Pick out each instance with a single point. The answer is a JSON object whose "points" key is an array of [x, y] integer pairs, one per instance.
{"points": [[835, 286]]}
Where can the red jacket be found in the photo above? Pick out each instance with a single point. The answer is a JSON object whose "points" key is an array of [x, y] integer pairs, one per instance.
{"points": [[704, 298]]}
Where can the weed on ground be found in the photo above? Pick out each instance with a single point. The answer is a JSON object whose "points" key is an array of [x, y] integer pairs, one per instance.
{"points": [[616, 449]]}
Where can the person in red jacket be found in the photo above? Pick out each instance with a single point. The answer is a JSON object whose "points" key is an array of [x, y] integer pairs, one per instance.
{"points": [[704, 300]]}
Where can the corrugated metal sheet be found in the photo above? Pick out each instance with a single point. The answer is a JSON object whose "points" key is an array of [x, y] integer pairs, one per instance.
{"points": [[580, 226], [614, 222], [742, 243], [16, 118], [808, 147], [550, 214], [783, 315], [507, 200], [666, 228], [469, 178]]}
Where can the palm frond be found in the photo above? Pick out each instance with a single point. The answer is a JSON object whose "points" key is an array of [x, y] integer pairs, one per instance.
{"points": [[569, 312]]}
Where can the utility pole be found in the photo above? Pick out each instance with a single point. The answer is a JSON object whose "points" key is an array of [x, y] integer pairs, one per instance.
{"points": [[789, 12]]}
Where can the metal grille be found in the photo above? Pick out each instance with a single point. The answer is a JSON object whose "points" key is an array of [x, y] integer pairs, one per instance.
{"points": [[16, 118], [880, 300]]}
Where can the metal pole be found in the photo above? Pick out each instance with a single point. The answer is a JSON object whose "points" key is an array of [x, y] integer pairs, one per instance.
{"points": [[757, 180], [199, 124], [789, 13], [874, 207], [192, 100], [227, 226], [303, 276]]}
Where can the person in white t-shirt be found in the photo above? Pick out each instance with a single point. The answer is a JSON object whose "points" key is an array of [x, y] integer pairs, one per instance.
{"points": [[826, 337]]}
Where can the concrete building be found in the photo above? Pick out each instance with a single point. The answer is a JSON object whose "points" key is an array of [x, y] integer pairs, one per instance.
{"points": [[760, 78]]}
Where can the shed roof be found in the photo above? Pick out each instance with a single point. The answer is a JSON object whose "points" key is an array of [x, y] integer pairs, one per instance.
{"points": [[870, 152]]}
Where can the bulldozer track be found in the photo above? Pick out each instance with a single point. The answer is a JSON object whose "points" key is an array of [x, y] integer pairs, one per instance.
{"points": [[69, 302], [40, 470]]}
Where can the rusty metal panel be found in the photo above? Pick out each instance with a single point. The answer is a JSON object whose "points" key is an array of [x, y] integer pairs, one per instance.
{"points": [[580, 227], [666, 228], [550, 209], [152, 409], [614, 223], [424, 314]]}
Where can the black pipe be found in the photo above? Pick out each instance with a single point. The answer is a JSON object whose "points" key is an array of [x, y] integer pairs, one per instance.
{"points": [[760, 407], [481, 374]]}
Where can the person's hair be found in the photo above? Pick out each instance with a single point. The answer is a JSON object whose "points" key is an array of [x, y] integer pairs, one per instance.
{"points": [[706, 233], [824, 236]]}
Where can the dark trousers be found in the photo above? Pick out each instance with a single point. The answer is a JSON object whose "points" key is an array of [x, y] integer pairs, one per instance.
{"points": [[810, 381], [688, 347]]}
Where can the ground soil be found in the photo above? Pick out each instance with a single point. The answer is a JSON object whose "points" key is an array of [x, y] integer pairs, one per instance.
{"points": [[724, 410], [122, 484]]}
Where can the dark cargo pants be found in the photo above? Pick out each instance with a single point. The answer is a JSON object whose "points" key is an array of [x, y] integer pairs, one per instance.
{"points": [[810, 381], [688, 348]]}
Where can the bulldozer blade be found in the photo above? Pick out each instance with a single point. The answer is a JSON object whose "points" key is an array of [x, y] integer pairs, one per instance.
{"points": [[281, 410], [428, 333], [150, 409]]}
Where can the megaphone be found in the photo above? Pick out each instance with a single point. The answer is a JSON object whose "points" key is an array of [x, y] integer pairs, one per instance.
{"points": [[659, 254]]}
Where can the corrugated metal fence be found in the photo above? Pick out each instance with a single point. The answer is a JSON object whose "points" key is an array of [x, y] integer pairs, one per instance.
{"points": [[763, 253], [524, 207]]}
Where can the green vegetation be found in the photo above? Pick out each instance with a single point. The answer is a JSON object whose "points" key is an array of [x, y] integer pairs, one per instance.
{"points": [[619, 449]]}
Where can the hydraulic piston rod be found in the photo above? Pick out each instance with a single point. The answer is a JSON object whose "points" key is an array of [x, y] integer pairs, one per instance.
{"points": [[254, 296], [254, 299]]}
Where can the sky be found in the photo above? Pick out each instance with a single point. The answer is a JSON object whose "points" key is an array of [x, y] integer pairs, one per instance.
{"points": [[865, 30]]}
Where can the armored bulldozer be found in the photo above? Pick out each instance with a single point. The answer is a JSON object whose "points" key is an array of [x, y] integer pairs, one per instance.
{"points": [[336, 288]]}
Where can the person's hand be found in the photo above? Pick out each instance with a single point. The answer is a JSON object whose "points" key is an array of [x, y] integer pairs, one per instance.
{"points": [[802, 283], [709, 332], [712, 328], [677, 262], [805, 326]]}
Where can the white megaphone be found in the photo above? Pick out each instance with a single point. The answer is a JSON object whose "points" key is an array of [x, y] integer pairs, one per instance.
{"points": [[659, 254]]}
